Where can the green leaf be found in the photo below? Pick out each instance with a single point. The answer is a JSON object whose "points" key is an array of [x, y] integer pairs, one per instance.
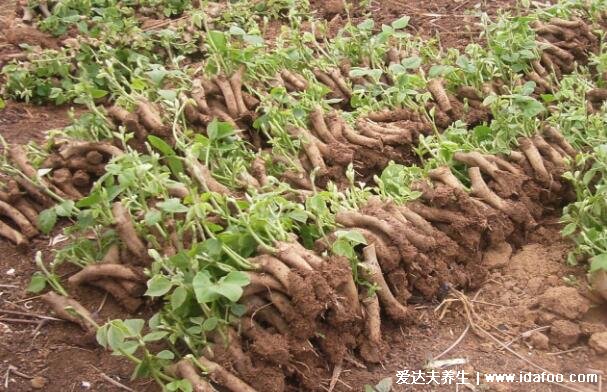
{"points": [[172, 205], [89, 200], [158, 286], [165, 354], [385, 385], [438, 70], [253, 39], [65, 208], [218, 40], [135, 326], [101, 336], [115, 338], [161, 145], [569, 229], [217, 130], [235, 30], [155, 336], [367, 24], [598, 262], [168, 95], [152, 217], [210, 324], [352, 236], [232, 292], [178, 297], [412, 62], [37, 283], [201, 284], [47, 220], [401, 23], [237, 277]]}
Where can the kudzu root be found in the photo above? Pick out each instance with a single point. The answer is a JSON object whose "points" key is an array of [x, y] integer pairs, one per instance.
{"points": [[469, 93], [560, 140], [69, 309], [94, 157], [266, 312], [535, 160], [540, 81], [33, 192], [204, 177], [63, 179], [297, 81], [556, 51], [474, 158], [188, 371], [228, 95], [116, 290], [546, 149], [128, 234], [597, 95], [329, 82], [274, 267], [436, 88], [84, 148], [386, 134], [223, 377], [236, 85], [289, 257], [340, 82], [129, 120], [258, 170], [13, 235], [81, 179], [310, 148], [320, 127], [356, 138], [21, 220], [262, 282], [370, 350], [100, 271], [392, 115], [19, 158], [372, 272], [444, 175], [436, 214], [150, 118]]}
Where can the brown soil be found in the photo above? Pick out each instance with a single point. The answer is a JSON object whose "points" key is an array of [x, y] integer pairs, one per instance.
{"points": [[454, 23]]}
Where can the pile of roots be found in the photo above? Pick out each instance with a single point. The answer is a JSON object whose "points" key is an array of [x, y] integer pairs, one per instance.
{"points": [[73, 167], [305, 313]]}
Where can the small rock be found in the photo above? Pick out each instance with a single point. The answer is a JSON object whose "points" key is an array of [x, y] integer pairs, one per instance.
{"points": [[545, 318], [539, 340], [564, 333], [86, 384], [591, 328], [598, 342], [497, 256], [534, 285], [11, 272], [334, 6], [564, 301], [38, 382], [553, 280]]}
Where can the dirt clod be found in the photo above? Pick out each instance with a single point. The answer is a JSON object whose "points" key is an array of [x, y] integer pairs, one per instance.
{"points": [[539, 341], [564, 333], [497, 256], [564, 301], [598, 342], [38, 382]]}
